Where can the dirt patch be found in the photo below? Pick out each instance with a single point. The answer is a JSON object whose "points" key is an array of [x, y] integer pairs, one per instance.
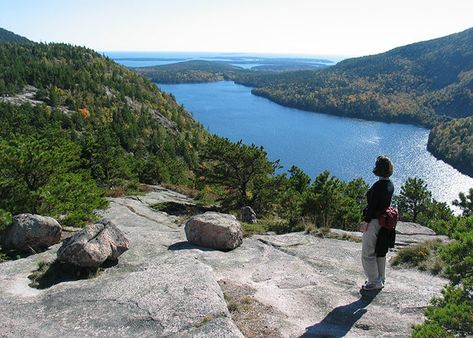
{"points": [[253, 318]]}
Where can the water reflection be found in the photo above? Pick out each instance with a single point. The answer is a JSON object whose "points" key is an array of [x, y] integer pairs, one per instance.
{"points": [[315, 142]]}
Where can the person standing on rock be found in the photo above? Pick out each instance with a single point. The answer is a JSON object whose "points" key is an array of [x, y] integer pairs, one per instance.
{"points": [[379, 199]]}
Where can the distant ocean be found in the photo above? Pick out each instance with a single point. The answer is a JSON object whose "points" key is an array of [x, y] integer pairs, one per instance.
{"points": [[244, 60]]}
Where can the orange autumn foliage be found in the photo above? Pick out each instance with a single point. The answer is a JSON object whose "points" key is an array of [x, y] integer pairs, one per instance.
{"points": [[84, 112]]}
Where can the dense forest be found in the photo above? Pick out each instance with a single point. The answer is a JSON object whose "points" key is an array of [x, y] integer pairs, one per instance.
{"points": [[452, 142], [188, 72], [7, 36], [422, 83], [90, 118]]}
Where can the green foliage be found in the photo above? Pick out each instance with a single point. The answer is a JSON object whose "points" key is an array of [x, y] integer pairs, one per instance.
{"points": [[436, 215], [253, 229], [107, 161], [291, 206], [37, 176], [465, 202], [27, 163], [423, 256], [430, 329], [452, 313], [459, 255], [413, 199], [298, 180], [5, 220], [327, 202], [279, 226], [71, 198], [100, 125], [330, 202], [244, 171], [153, 170], [449, 316], [10, 37], [188, 72], [290, 201], [452, 142]]}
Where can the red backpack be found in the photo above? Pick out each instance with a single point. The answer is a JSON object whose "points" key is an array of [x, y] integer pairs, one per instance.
{"points": [[388, 219]]}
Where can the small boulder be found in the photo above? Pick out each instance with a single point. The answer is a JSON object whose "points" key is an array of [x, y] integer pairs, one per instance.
{"points": [[214, 230], [93, 245], [248, 215], [31, 233]]}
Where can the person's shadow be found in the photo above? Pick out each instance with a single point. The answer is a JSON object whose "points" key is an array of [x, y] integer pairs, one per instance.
{"points": [[341, 319]]}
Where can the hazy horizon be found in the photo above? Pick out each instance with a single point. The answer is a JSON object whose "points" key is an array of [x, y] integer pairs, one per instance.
{"points": [[234, 54], [299, 27]]}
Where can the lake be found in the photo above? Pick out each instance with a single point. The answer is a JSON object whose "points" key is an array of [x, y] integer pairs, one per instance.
{"points": [[315, 142]]}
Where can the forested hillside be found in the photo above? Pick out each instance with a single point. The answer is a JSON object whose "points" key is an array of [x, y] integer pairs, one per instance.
{"points": [[420, 83], [10, 37], [75, 123], [188, 72], [453, 142]]}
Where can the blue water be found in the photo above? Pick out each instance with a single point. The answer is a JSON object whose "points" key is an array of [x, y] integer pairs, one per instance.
{"points": [[243, 60], [346, 147]]}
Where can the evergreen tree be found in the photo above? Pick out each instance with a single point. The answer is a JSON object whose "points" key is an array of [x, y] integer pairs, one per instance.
{"points": [[239, 168], [465, 202], [413, 198]]}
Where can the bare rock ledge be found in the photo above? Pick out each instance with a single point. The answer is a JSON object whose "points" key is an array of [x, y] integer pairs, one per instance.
{"points": [[276, 285]]}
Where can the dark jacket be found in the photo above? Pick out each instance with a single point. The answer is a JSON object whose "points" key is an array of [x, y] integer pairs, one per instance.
{"points": [[386, 239], [379, 199]]}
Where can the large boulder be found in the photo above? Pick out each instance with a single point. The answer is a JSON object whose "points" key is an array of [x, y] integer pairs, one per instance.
{"points": [[248, 215], [93, 245], [31, 233], [214, 230]]}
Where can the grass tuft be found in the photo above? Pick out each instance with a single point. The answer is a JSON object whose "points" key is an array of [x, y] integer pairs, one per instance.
{"points": [[423, 256]]}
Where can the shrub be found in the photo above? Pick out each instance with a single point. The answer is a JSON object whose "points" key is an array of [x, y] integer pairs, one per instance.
{"points": [[71, 198], [279, 225], [5, 220], [423, 256], [253, 229], [452, 313]]}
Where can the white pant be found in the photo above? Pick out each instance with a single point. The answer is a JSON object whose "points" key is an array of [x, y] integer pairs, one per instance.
{"points": [[374, 267]]}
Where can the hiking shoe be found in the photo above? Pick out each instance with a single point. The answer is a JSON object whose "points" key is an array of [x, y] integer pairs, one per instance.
{"points": [[372, 286]]}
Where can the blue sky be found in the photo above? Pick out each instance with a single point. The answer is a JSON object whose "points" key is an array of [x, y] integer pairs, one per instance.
{"points": [[313, 27]]}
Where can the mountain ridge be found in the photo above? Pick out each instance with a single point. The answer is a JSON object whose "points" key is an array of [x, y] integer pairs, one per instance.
{"points": [[97, 124], [7, 36]]}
